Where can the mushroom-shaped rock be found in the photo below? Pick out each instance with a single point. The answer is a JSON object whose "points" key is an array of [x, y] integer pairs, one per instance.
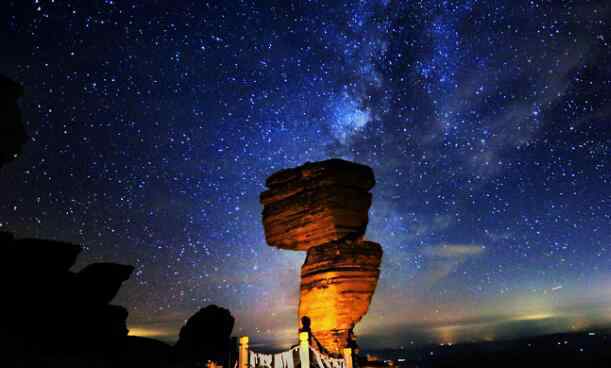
{"points": [[322, 207]]}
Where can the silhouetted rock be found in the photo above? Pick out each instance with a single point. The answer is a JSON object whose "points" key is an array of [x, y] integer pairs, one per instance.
{"points": [[46, 278], [53, 317], [12, 132], [46, 256], [104, 322], [59, 317], [99, 282], [145, 352], [205, 336]]}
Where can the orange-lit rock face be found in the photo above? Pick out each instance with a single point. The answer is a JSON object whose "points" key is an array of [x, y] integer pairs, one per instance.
{"points": [[338, 280], [316, 203], [322, 208]]}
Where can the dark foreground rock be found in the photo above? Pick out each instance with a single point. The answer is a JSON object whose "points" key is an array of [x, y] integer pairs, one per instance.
{"points": [[51, 312], [99, 282], [206, 336]]}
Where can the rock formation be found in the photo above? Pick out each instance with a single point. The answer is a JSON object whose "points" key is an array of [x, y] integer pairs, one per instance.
{"points": [[322, 208], [98, 283], [53, 311], [316, 203], [206, 336]]}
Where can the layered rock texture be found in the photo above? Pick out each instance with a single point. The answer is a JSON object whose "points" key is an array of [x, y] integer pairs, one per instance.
{"points": [[322, 208], [316, 203], [337, 283]]}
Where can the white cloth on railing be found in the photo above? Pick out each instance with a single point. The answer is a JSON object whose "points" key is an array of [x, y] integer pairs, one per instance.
{"points": [[325, 361], [279, 360], [260, 360], [284, 359]]}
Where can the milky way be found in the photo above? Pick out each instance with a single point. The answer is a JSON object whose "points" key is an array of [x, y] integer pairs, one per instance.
{"points": [[153, 126]]}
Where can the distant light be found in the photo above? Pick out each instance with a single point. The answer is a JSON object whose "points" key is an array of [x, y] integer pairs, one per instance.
{"points": [[536, 316], [592, 333], [147, 332]]}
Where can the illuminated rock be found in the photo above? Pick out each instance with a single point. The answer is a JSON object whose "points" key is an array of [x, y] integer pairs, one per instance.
{"points": [[322, 208], [316, 203], [338, 280]]}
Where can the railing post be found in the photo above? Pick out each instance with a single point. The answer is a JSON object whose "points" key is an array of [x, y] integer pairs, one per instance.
{"points": [[304, 349], [243, 354], [347, 352]]}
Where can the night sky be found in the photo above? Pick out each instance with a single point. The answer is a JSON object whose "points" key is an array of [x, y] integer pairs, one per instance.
{"points": [[154, 124]]}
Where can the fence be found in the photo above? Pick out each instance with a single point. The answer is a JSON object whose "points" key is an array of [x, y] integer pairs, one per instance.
{"points": [[250, 359]]}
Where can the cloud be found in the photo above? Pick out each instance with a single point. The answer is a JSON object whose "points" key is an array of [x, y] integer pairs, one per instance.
{"points": [[444, 259], [453, 250]]}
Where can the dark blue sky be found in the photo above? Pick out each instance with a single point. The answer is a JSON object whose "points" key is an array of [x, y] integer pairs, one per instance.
{"points": [[488, 123]]}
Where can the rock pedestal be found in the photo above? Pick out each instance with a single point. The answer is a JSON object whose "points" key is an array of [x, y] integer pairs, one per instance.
{"points": [[322, 208], [337, 283]]}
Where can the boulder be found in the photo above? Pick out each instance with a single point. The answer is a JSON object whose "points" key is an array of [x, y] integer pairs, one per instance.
{"points": [[205, 336], [316, 203], [98, 283]]}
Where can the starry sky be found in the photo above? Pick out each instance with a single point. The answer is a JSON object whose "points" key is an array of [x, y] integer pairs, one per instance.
{"points": [[153, 125]]}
